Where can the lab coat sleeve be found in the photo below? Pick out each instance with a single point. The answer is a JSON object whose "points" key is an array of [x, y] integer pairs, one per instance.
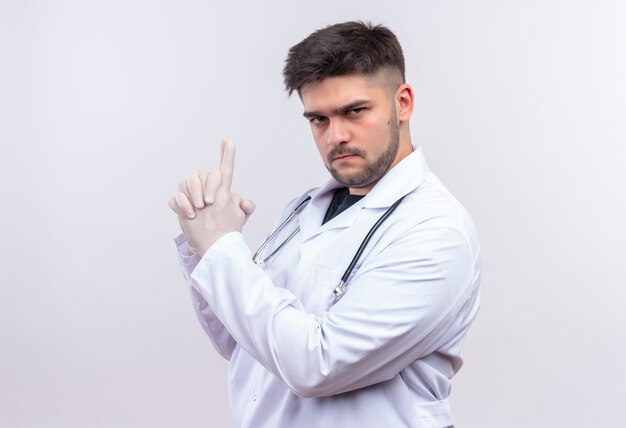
{"points": [[405, 303], [219, 336]]}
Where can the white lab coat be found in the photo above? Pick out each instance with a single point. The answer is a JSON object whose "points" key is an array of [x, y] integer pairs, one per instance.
{"points": [[383, 356]]}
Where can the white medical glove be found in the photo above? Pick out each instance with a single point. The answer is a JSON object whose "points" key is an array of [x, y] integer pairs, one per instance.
{"points": [[206, 207]]}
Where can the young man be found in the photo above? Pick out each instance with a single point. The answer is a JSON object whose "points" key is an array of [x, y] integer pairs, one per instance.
{"points": [[310, 342]]}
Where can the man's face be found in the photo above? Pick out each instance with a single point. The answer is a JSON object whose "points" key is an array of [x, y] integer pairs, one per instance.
{"points": [[355, 127]]}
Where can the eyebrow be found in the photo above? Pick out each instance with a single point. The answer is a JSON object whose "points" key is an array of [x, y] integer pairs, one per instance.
{"points": [[338, 110]]}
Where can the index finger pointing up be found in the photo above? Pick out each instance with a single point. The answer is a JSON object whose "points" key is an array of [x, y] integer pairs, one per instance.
{"points": [[227, 163]]}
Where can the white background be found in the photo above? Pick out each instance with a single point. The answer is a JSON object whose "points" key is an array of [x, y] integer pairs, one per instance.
{"points": [[105, 106]]}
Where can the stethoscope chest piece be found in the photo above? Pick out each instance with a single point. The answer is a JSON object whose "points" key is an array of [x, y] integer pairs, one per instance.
{"points": [[339, 291]]}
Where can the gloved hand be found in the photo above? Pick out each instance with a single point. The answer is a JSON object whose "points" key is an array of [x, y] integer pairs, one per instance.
{"points": [[206, 207]]}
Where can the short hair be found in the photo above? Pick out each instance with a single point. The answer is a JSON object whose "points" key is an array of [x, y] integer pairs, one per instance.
{"points": [[353, 47]]}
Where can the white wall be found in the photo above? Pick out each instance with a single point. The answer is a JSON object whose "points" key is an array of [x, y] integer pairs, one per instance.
{"points": [[104, 106]]}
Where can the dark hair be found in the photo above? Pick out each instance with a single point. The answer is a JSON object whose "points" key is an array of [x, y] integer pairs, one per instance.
{"points": [[348, 48]]}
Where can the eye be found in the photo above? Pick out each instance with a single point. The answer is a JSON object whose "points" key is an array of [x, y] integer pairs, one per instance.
{"points": [[354, 111], [317, 120]]}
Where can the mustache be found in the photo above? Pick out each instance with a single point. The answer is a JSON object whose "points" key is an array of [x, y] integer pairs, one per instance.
{"points": [[343, 151]]}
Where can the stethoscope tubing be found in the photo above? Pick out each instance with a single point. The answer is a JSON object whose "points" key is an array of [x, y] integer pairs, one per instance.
{"points": [[294, 213], [343, 285], [341, 289]]}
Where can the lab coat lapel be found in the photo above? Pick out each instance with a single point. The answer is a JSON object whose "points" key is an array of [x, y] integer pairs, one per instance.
{"points": [[310, 220], [402, 179]]}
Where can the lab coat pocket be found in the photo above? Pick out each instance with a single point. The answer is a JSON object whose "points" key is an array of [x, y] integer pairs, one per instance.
{"points": [[317, 293]]}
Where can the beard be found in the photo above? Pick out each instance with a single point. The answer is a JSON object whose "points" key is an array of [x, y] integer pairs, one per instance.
{"points": [[372, 171]]}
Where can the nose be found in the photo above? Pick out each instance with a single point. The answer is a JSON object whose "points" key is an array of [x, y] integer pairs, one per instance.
{"points": [[337, 132]]}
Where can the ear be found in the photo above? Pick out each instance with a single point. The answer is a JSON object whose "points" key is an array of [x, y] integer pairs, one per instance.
{"points": [[404, 102]]}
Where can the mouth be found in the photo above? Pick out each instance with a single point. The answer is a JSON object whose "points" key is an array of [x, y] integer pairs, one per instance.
{"points": [[344, 157]]}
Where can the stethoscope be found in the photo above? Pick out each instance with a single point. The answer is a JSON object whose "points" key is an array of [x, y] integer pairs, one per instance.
{"points": [[342, 287]]}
